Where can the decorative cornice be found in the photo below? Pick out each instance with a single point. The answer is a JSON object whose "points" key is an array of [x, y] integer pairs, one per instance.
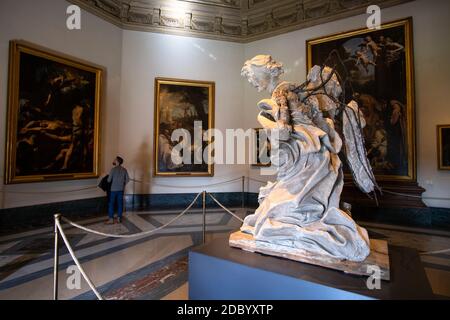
{"points": [[227, 20]]}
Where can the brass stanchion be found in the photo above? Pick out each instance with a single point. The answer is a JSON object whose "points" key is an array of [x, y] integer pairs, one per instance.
{"points": [[56, 259], [204, 217]]}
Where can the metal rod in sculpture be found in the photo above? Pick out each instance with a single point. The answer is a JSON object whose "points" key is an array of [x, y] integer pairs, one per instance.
{"points": [[56, 259]]}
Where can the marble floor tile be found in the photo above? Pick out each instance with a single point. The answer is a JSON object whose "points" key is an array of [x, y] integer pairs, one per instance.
{"points": [[101, 270], [155, 266], [182, 293], [139, 288], [440, 281]]}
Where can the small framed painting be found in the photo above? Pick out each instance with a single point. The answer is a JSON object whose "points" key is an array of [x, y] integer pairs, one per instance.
{"points": [[262, 148], [187, 106], [443, 135]]}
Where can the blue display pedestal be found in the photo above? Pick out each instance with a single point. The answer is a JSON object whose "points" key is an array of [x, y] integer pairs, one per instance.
{"points": [[219, 272]]}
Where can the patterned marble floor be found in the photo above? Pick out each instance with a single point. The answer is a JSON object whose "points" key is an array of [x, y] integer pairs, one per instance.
{"points": [[155, 266]]}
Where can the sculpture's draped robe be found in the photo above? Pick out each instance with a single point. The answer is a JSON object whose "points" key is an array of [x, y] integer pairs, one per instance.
{"points": [[301, 210]]}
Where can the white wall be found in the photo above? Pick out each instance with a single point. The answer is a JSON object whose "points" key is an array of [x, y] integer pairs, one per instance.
{"points": [[146, 56], [432, 68], [44, 22], [133, 59]]}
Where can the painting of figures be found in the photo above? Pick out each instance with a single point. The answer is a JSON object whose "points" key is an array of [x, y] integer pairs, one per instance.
{"points": [[376, 68], [186, 106], [53, 116]]}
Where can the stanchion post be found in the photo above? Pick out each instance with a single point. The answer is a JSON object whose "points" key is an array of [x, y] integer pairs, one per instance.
{"points": [[56, 259], [204, 216], [243, 191]]}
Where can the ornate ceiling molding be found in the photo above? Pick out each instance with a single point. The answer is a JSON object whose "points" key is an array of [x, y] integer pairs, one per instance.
{"points": [[227, 20]]}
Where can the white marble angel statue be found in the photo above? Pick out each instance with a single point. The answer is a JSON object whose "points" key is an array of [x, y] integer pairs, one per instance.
{"points": [[301, 209]]}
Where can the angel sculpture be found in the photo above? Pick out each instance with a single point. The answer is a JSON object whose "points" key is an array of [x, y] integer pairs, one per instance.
{"points": [[301, 209]]}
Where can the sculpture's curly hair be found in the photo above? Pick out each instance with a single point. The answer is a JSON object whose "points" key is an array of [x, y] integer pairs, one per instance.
{"points": [[262, 61]]}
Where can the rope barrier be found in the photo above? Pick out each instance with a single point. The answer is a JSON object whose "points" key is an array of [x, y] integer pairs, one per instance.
{"points": [[72, 254], [211, 185], [135, 235], [133, 180], [59, 230], [224, 208], [256, 180], [48, 192], [188, 187]]}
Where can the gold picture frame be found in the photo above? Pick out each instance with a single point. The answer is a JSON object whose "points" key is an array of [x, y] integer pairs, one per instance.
{"points": [[443, 147], [401, 31], [59, 129], [192, 96]]}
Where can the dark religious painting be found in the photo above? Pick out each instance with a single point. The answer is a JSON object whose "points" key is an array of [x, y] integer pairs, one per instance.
{"points": [[262, 148], [444, 147], [187, 105], [376, 70], [53, 116]]}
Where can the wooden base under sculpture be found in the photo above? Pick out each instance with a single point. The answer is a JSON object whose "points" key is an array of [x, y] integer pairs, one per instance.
{"points": [[379, 255]]}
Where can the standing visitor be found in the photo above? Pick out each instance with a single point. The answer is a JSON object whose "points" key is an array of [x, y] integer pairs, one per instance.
{"points": [[118, 177]]}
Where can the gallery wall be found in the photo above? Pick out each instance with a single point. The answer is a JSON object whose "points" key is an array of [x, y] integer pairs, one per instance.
{"points": [[133, 60], [431, 50], [146, 56], [43, 22]]}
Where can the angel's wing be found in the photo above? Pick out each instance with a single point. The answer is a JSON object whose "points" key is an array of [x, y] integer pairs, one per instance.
{"points": [[355, 151]]}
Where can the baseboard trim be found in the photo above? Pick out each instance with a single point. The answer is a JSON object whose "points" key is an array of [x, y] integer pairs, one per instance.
{"points": [[32, 217]]}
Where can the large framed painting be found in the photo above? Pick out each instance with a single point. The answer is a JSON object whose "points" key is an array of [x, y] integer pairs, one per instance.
{"points": [[443, 134], [187, 105], [53, 116], [377, 69]]}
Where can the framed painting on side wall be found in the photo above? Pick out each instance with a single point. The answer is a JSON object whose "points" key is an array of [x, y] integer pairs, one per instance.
{"points": [[53, 127], [184, 112], [443, 135], [376, 70]]}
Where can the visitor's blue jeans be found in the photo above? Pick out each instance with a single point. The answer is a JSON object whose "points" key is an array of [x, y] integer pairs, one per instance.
{"points": [[115, 195]]}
